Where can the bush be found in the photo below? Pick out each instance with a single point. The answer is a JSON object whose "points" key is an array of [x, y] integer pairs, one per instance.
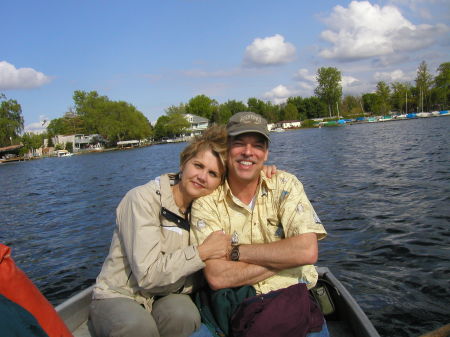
{"points": [[69, 146]]}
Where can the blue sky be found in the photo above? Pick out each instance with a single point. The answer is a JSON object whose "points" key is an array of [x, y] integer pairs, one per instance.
{"points": [[154, 54]]}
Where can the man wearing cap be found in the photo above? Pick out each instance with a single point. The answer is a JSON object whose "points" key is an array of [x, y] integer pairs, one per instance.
{"points": [[273, 225]]}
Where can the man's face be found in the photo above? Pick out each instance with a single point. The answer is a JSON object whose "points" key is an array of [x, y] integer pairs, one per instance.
{"points": [[247, 154]]}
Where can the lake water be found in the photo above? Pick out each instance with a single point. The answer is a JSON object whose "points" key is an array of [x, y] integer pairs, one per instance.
{"points": [[382, 191]]}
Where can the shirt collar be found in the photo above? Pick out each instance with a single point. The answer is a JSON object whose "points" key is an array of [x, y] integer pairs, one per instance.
{"points": [[264, 186]]}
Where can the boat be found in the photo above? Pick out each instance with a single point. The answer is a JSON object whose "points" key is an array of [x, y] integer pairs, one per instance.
{"points": [[347, 320], [278, 130], [63, 153]]}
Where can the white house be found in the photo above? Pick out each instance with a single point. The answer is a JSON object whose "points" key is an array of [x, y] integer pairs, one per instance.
{"points": [[80, 141], [198, 125], [289, 124]]}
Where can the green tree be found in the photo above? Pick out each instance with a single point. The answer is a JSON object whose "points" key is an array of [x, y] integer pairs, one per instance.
{"points": [[11, 121], [69, 146], [170, 126], [442, 86], [267, 110], [180, 109], [314, 107], [160, 129], [67, 125], [223, 114], [256, 105], [370, 102], [424, 81], [399, 97], [202, 106], [383, 95], [290, 112], [235, 106], [329, 87], [301, 106], [351, 105], [31, 142], [113, 120]]}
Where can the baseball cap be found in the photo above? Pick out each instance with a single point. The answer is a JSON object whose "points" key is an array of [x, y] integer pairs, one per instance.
{"points": [[246, 122]]}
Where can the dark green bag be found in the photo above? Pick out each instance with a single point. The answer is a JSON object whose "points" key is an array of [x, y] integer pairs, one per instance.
{"points": [[217, 307]]}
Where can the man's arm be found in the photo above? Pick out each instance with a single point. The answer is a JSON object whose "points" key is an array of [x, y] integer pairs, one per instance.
{"points": [[261, 261], [221, 273], [229, 274], [283, 254]]}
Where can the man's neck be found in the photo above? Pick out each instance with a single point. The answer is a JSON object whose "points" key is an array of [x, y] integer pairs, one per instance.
{"points": [[243, 190]]}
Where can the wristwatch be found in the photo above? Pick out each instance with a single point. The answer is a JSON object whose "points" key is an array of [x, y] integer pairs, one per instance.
{"points": [[234, 253]]}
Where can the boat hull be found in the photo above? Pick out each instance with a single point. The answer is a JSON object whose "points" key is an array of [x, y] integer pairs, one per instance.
{"points": [[347, 320]]}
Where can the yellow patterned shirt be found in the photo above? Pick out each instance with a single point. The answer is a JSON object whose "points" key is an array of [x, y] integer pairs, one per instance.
{"points": [[281, 210]]}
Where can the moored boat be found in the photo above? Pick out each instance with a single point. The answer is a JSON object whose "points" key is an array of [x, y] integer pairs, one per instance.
{"points": [[278, 130], [348, 319]]}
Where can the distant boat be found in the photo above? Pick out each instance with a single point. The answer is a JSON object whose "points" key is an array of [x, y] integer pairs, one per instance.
{"points": [[424, 114], [63, 153], [278, 130]]}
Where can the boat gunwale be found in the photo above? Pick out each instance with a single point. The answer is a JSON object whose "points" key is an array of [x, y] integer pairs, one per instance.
{"points": [[75, 310]]}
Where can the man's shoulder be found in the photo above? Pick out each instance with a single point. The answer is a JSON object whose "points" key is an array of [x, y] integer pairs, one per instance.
{"points": [[211, 198], [282, 178]]}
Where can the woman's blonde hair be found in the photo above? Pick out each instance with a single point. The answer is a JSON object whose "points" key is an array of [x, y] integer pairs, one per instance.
{"points": [[214, 139]]}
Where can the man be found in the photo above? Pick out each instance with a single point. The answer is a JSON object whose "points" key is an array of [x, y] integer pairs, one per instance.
{"points": [[273, 225]]}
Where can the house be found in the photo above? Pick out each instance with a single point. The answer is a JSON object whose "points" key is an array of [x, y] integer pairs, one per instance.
{"points": [[9, 153], [80, 142], [197, 125], [289, 124]]}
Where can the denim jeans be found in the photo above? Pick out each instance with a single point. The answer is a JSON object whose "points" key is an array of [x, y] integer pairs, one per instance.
{"points": [[323, 333]]}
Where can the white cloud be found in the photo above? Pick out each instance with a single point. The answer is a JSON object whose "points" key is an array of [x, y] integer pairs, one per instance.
{"points": [[38, 127], [304, 75], [269, 51], [306, 81], [280, 94], [364, 30], [393, 76], [349, 82], [22, 78]]}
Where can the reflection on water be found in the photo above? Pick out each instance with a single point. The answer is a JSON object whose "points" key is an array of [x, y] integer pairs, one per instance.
{"points": [[382, 191]]}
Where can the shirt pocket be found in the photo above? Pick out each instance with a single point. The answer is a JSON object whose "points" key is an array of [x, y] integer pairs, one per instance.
{"points": [[274, 230]]}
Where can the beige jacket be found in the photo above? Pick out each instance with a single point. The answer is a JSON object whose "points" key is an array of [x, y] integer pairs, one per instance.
{"points": [[149, 255]]}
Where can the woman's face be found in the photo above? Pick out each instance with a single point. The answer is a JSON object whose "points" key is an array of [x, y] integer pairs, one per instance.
{"points": [[201, 175]]}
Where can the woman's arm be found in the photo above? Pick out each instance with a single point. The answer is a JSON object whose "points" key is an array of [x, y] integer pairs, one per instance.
{"points": [[140, 235]]}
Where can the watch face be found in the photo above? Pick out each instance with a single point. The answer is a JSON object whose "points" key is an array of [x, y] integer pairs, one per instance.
{"points": [[234, 255]]}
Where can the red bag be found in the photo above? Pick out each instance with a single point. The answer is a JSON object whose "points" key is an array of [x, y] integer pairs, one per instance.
{"points": [[17, 287], [285, 312]]}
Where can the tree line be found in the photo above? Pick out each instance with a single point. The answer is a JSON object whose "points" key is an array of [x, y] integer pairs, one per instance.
{"points": [[118, 120]]}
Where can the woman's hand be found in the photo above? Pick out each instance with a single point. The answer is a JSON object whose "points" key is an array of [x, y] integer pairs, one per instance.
{"points": [[215, 246], [269, 170]]}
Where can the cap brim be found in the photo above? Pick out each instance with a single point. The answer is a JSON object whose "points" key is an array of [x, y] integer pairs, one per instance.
{"points": [[237, 133]]}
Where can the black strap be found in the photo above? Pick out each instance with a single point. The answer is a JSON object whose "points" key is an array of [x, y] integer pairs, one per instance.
{"points": [[176, 219]]}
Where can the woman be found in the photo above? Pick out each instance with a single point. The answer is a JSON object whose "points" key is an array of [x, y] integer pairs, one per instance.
{"points": [[143, 287]]}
